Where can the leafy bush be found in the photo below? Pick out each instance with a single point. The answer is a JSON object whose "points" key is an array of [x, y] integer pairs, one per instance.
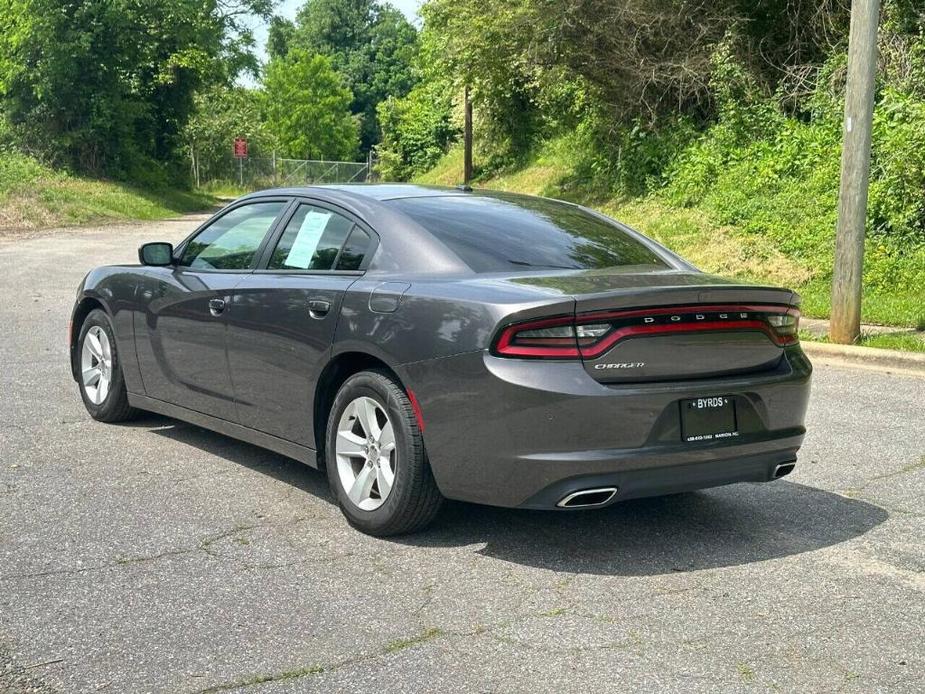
{"points": [[744, 127], [897, 191], [416, 131], [626, 161]]}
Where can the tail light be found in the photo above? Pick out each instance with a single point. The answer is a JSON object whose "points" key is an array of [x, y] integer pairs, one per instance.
{"points": [[589, 335], [552, 338], [785, 326]]}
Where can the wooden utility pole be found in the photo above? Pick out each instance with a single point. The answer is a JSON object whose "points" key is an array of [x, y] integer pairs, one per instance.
{"points": [[467, 138], [845, 325]]}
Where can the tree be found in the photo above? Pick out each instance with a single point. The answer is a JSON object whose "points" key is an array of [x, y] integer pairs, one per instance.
{"points": [[488, 47], [533, 66], [106, 86], [279, 36], [221, 114], [371, 44], [308, 107], [416, 130]]}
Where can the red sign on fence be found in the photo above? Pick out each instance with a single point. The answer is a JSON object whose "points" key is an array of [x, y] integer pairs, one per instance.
{"points": [[240, 147]]}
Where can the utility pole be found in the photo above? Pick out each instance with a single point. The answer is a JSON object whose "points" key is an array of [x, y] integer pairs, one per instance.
{"points": [[845, 325], [467, 138]]}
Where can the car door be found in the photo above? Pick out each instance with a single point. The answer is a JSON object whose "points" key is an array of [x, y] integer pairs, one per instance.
{"points": [[282, 317], [182, 343]]}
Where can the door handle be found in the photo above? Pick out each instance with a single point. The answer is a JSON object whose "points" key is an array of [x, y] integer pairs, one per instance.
{"points": [[216, 306], [318, 308]]}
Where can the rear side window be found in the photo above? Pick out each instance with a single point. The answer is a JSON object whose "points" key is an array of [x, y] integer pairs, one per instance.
{"points": [[311, 241], [505, 233], [354, 251]]}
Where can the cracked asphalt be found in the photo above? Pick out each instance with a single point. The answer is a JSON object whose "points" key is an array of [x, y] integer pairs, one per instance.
{"points": [[160, 557]]}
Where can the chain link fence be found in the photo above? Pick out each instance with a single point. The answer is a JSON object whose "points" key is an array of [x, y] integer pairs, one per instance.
{"points": [[256, 173]]}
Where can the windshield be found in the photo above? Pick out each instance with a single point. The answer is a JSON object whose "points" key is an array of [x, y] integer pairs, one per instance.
{"points": [[503, 233]]}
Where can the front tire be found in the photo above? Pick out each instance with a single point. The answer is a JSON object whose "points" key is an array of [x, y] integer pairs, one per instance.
{"points": [[375, 459], [99, 372]]}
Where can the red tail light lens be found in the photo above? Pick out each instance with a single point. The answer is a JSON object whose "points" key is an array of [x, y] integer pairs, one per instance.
{"points": [[589, 335], [553, 338], [786, 326]]}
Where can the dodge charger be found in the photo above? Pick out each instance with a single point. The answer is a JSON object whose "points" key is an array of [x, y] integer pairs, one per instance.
{"points": [[420, 344]]}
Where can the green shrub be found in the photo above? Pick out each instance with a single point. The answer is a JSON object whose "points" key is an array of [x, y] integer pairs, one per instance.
{"points": [[757, 161], [897, 191], [776, 178], [416, 131]]}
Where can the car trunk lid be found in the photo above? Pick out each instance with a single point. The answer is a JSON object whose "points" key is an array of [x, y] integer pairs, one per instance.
{"points": [[673, 325]]}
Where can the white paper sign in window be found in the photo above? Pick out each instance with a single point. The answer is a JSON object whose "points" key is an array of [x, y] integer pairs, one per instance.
{"points": [[306, 241]]}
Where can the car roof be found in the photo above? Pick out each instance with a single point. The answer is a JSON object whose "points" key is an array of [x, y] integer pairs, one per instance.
{"points": [[410, 248], [375, 191]]}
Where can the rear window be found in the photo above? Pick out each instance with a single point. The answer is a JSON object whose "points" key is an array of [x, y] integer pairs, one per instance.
{"points": [[503, 233]]}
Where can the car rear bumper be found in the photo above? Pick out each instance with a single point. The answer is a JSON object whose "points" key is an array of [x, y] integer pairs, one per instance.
{"points": [[522, 433], [655, 480]]}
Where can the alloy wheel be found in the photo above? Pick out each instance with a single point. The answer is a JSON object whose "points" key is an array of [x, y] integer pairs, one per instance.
{"points": [[96, 365], [365, 453]]}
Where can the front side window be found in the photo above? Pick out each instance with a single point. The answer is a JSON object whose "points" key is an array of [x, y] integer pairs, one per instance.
{"points": [[311, 241], [231, 241]]}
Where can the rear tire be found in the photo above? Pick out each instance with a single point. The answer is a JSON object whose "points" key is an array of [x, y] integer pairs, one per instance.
{"points": [[375, 458], [99, 371]]}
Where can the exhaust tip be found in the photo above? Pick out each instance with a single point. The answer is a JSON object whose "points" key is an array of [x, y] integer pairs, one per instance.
{"points": [[783, 470], [587, 498]]}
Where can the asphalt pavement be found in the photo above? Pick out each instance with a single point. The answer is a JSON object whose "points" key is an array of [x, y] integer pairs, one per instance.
{"points": [[159, 557]]}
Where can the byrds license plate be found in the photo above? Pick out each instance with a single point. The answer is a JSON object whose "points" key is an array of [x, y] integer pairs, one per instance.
{"points": [[708, 419]]}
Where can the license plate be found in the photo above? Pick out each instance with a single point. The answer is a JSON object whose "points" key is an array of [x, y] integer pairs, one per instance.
{"points": [[708, 419]]}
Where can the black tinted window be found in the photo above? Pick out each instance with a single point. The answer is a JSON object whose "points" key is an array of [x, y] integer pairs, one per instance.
{"points": [[509, 232], [311, 241], [354, 250], [231, 241]]}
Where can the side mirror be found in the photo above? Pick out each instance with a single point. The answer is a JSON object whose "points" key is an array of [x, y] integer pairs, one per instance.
{"points": [[158, 254]]}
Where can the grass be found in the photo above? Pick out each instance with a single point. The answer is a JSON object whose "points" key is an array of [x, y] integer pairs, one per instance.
{"points": [[33, 196], [224, 189], [904, 341], [401, 644], [299, 673], [746, 673], [254, 680], [447, 171], [738, 250]]}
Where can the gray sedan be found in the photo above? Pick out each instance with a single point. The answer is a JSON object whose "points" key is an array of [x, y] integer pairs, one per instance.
{"points": [[426, 343]]}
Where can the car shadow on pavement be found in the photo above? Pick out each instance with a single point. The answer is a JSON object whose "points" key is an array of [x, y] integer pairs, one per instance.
{"points": [[280, 467], [725, 526]]}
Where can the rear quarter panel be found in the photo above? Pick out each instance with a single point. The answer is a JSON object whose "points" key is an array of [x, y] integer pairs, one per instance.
{"points": [[435, 318]]}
